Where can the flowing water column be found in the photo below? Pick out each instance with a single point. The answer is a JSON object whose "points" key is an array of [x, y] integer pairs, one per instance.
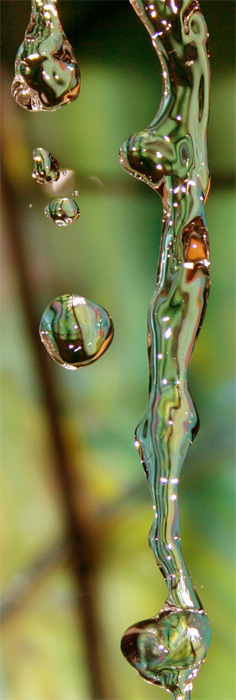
{"points": [[170, 155]]}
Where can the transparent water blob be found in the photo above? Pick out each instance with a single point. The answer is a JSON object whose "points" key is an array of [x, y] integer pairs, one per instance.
{"points": [[75, 330], [45, 167], [46, 72], [63, 211]]}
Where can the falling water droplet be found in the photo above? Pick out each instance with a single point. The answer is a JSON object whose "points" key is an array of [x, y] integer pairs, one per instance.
{"points": [[63, 211], [75, 330], [46, 73], [45, 167], [75, 193]]}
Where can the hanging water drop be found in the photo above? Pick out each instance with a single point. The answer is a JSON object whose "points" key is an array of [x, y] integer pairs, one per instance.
{"points": [[45, 167], [75, 330], [168, 649], [46, 73], [63, 211]]}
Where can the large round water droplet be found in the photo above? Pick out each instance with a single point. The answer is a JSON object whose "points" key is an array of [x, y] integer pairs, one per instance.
{"points": [[75, 330], [45, 167], [63, 211]]}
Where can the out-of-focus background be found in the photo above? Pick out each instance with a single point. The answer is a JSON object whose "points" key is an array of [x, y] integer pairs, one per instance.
{"points": [[76, 510]]}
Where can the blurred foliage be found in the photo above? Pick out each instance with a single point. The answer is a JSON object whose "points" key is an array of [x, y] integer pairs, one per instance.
{"points": [[110, 256]]}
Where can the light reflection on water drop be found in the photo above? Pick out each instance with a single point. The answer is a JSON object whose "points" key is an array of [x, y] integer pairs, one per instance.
{"points": [[75, 330], [63, 211]]}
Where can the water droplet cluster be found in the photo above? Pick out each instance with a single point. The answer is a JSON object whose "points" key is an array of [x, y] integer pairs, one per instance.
{"points": [[62, 210], [75, 331], [170, 155], [46, 73]]}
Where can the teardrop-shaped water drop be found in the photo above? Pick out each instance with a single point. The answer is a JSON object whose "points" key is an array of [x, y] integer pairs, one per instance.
{"points": [[75, 330], [45, 167], [63, 211], [46, 73], [168, 649]]}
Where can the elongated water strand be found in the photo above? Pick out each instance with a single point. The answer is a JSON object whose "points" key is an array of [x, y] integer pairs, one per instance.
{"points": [[46, 73], [170, 155], [75, 331]]}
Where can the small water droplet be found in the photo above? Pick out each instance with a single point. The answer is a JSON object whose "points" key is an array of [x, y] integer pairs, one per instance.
{"points": [[75, 330], [75, 193], [46, 73], [30, 206], [63, 211], [45, 167]]}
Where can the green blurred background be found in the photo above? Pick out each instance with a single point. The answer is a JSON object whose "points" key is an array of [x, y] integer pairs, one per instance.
{"points": [[76, 510]]}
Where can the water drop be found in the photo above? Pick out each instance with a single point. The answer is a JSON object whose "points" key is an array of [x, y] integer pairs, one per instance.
{"points": [[45, 167], [75, 330], [46, 73], [168, 648], [75, 193], [63, 211]]}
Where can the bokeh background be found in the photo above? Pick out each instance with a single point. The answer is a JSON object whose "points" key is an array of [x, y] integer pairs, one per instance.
{"points": [[76, 510]]}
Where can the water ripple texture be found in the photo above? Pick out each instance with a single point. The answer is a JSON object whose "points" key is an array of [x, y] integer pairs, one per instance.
{"points": [[170, 155]]}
